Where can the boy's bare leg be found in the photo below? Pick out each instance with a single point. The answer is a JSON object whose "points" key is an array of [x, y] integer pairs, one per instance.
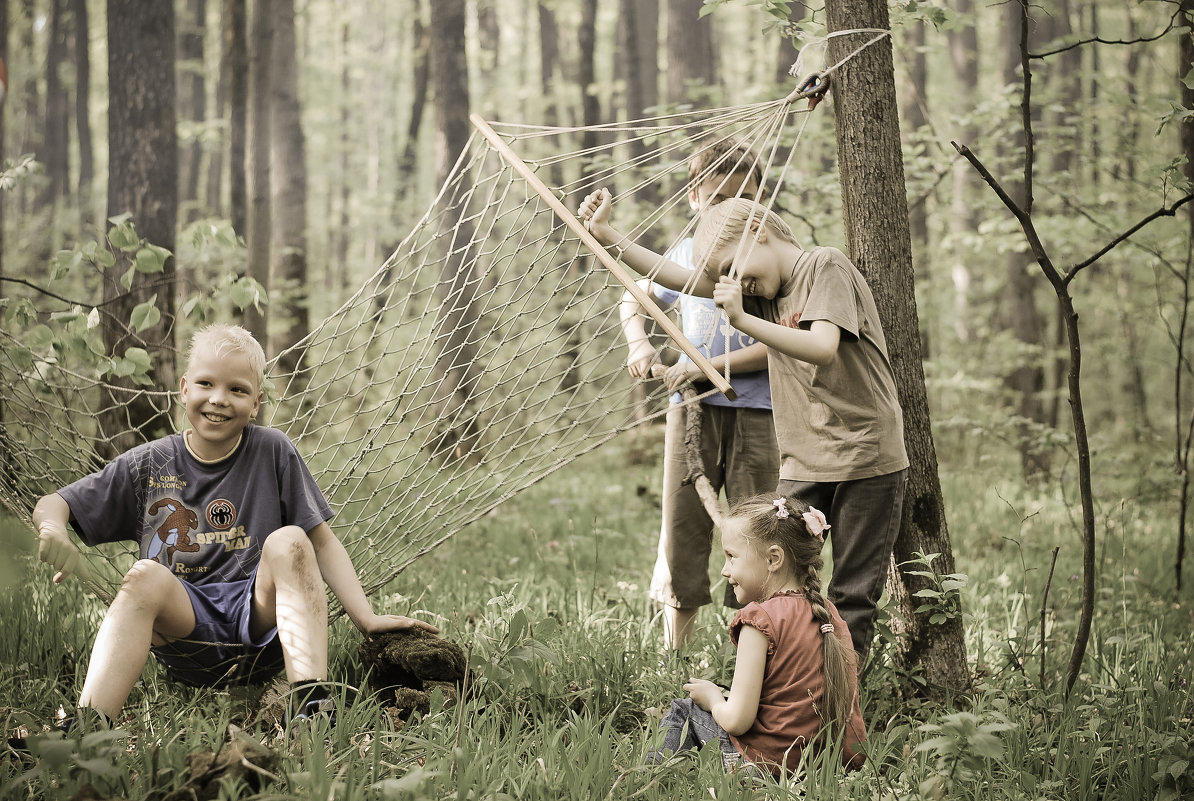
{"points": [[678, 625], [151, 599], [289, 594]]}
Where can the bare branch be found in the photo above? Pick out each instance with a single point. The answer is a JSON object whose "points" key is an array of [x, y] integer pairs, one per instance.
{"points": [[1023, 217], [1164, 211], [1172, 26]]}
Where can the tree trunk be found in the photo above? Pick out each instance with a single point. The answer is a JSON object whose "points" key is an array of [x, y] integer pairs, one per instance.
{"points": [[143, 181], [82, 31], [234, 73], [1021, 314], [877, 238], [691, 56], [257, 164], [640, 27], [963, 51], [288, 173], [457, 319], [192, 101], [55, 156]]}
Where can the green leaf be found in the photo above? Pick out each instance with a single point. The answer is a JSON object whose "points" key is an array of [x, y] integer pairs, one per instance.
{"points": [[126, 280], [986, 745], [151, 259], [122, 236], [145, 315]]}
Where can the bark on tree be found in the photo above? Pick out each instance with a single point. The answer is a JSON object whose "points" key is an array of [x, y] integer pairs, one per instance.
{"points": [[963, 52], [234, 74], [257, 160], [877, 239], [457, 287], [691, 55], [82, 29], [289, 293], [640, 28], [6, 458], [192, 103], [55, 155], [1182, 428], [142, 181]]}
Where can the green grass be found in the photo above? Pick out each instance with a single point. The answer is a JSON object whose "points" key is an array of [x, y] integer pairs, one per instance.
{"points": [[548, 597]]}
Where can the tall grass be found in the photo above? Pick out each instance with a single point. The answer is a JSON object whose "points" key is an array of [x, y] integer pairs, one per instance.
{"points": [[548, 597]]}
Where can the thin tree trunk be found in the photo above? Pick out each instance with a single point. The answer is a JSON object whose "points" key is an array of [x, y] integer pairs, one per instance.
{"points": [[457, 318], [878, 239], [257, 160], [83, 110], [691, 55], [288, 174], [1022, 316], [192, 101], [55, 157], [234, 71], [963, 50], [143, 149]]}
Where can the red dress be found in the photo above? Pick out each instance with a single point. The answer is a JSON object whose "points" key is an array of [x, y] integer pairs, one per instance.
{"points": [[793, 684]]}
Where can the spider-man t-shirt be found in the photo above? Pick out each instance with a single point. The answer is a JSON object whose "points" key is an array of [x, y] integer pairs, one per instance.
{"points": [[205, 522]]}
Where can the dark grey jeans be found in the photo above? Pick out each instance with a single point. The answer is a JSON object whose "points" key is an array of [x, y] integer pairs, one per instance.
{"points": [[686, 726], [865, 515]]}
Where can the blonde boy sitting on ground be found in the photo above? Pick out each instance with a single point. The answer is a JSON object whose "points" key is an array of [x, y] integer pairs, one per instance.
{"points": [[234, 543]]}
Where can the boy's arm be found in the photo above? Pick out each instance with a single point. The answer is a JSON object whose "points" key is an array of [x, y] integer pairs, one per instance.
{"points": [[54, 547], [336, 567], [595, 211], [642, 353], [750, 359], [816, 345]]}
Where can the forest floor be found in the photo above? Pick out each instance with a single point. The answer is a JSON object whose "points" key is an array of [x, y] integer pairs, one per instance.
{"points": [[546, 598]]}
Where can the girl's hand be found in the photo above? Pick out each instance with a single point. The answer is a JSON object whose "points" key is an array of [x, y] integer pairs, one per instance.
{"points": [[705, 693], [679, 373], [728, 297], [379, 623], [595, 211]]}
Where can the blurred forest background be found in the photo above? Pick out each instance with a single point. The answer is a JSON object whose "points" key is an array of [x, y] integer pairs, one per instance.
{"points": [[300, 141]]}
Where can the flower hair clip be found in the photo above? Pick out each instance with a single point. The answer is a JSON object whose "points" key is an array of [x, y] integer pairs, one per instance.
{"points": [[781, 508], [815, 520]]}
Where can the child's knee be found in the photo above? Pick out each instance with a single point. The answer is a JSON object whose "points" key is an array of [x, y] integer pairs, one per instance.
{"points": [[288, 545], [148, 578]]}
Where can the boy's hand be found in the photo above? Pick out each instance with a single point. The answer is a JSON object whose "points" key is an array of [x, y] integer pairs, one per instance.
{"points": [[728, 297], [379, 623], [55, 549], [595, 210], [642, 356], [679, 373], [704, 692]]}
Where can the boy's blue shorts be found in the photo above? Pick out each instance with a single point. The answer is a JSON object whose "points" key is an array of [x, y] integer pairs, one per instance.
{"points": [[220, 651]]}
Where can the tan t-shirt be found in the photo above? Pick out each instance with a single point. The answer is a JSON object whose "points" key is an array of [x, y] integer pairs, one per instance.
{"points": [[842, 421]]}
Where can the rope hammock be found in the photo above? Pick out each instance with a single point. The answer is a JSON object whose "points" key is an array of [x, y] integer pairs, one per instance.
{"points": [[484, 355]]}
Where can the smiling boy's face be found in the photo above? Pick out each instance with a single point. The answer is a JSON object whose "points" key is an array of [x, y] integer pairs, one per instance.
{"points": [[221, 393]]}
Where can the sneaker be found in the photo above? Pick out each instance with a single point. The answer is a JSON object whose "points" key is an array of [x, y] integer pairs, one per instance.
{"points": [[86, 720]]}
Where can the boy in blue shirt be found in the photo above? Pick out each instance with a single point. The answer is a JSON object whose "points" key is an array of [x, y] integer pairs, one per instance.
{"points": [[234, 543], [738, 448]]}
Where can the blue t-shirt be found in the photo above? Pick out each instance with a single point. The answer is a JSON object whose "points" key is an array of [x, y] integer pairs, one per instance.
{"points": [[205, 522], [706, 327]]}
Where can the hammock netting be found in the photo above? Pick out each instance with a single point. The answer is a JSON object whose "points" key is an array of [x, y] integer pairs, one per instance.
{"points": [[483, 355]]}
